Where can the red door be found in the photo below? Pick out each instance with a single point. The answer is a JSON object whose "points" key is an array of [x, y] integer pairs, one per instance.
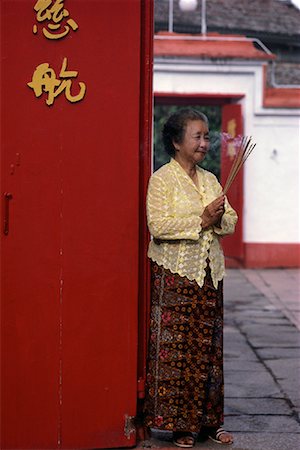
{"points": [[232, 127], [69, 293]]}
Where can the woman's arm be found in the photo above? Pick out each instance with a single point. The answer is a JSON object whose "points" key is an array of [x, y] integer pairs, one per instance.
{"points": [[162, 223]]}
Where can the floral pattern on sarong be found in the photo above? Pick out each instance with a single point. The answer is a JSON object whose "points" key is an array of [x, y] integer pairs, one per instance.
{"points": [[185, 387]]}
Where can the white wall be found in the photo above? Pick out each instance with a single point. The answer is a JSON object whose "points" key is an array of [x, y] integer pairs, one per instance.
{"points": [[271, 182]]}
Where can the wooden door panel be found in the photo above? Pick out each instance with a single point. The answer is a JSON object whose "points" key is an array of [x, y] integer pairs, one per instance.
{"points": [[30, 252], [70, 260], [232, 127]]}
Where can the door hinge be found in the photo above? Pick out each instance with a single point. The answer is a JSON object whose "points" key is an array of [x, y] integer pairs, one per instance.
{"points": [[141, 387], [129, 426]]}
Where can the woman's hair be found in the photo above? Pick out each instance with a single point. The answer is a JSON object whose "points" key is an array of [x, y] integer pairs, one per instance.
{"points": [[174, 128]]}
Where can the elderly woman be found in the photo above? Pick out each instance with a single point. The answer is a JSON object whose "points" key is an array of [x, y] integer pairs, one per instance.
{"points": [[187, 215]]}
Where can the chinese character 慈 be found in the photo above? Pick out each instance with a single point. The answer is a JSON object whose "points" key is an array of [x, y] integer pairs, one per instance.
{"points": [[54, 12], [44, 80]]}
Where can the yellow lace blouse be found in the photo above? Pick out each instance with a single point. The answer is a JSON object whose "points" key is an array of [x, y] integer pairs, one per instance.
{"points": [[174, 207]]}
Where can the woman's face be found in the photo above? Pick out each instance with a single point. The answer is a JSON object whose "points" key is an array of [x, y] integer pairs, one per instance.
{"points": [[195, 143]]}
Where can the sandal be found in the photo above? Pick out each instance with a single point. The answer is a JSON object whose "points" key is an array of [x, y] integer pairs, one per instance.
{"points": [[186, 438], [215, 435]]}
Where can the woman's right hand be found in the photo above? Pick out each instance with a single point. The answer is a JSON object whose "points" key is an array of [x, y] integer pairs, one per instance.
{"points": [[213, 212]]}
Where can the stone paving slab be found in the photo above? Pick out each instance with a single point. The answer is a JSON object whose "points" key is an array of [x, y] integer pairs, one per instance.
{"points": [[233, 335], [242, 406], [281, 332], [290, 369], [235, 364], [251, 384], [258, 313], [288, 377], [294, 305], [256, 333], [261, 365], [242, 441], [268, 336], [269, 328], [291, 390], [265, 441], [236, 346], [263, 320], [165, 445], [288, 340], [281, 287], [240, 354], [255, 423], [278, 353]]}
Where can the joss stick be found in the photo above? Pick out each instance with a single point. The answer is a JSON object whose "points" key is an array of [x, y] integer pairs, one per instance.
{"points": [[242, 154]]}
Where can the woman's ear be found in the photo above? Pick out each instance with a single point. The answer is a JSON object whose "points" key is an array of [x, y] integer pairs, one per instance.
{"points": [[176, 145]]}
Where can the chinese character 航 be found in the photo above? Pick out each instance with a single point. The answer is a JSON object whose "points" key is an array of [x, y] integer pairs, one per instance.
{"points": [[54, 12], [44, 80]]}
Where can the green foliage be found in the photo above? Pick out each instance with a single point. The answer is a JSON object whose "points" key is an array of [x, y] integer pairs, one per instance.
{"points": [[212, 161]]}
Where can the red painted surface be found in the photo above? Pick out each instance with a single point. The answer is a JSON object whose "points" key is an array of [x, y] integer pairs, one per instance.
{"points": [[207, 48], [70, 263], [233, 263], [271, 255], [279, 97], [233, 245], [146, 99]]}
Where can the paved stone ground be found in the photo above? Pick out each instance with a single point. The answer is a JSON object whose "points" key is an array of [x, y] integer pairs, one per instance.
{"points": [[261, 361]]}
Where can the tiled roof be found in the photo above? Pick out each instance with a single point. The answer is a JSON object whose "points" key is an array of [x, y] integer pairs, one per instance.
{"points": [[213, 47], [249, 17], [275, 22]]}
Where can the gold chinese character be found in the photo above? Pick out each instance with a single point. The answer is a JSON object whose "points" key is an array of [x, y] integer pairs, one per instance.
{"points": [[44, 80], [54, 12], [231, 128], [231, 145], [231, 151]]}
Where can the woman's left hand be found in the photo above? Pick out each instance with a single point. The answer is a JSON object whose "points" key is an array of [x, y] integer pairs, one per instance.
{"points": [[213, 212]]}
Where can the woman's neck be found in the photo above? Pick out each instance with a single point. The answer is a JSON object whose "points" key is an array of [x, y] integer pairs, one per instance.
{"points": [[188, 166]]}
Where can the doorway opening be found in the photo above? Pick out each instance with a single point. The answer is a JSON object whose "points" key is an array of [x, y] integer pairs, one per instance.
{"points": [[224, 112]]}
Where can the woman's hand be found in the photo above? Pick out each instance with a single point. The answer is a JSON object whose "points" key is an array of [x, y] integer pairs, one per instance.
{"points": [[213, 212]]}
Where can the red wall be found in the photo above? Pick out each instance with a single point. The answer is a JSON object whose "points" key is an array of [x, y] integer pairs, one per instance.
{"points": [[69, 291]]}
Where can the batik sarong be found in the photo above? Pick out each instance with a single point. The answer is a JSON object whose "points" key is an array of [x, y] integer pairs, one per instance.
{"points": [[185, 389]]}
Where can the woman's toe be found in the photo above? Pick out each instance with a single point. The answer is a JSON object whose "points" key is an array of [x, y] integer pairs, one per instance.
{"points": [[226, 437]]}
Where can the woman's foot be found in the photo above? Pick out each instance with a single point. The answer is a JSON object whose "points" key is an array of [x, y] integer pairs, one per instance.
{"points": [[183, 439], [220, 436]]}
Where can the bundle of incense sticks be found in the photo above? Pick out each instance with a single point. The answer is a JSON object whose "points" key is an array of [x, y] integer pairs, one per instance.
{"points": [[246, 147]]}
